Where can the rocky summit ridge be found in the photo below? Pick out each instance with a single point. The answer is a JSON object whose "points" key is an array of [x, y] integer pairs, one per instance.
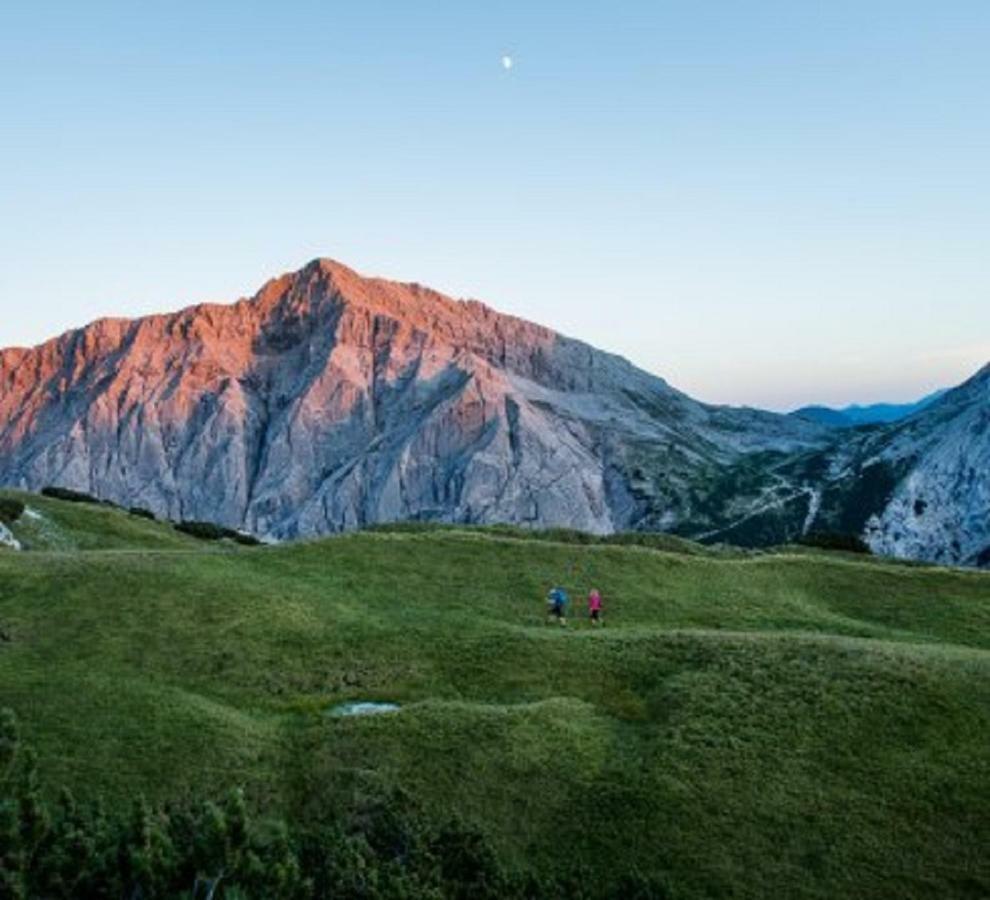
{"points": [[329, 401]]}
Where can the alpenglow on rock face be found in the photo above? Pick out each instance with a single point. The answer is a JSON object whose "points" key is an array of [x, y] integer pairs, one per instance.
{"points": [[329, 401]]}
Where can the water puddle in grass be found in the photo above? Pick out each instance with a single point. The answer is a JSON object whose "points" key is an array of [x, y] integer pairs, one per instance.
{"points": [[362, 708]]}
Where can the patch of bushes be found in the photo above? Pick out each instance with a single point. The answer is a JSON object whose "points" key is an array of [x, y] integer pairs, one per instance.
{"points": [[142, 513], [205, 531], [828, 540], [848, 505], [69, 495], [10, 510], [210, 531], [218, 848]]}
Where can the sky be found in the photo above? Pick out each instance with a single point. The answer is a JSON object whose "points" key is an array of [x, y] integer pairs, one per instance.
{"points": [[765, 203]]}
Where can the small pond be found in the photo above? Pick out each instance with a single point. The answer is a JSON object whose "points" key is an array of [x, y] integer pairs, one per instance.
{"points": [[362, 708]]}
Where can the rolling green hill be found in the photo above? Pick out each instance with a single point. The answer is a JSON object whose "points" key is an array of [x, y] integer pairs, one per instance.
{"points": [[55, 525], [789, 724]]}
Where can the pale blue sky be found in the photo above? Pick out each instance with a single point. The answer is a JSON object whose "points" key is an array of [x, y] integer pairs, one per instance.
{"points": [[768, 203]]}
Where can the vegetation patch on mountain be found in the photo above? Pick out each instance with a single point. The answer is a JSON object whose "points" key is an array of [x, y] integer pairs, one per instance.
{"points": [[69, 495], [863, 493], [828, 540], [210, 531]]}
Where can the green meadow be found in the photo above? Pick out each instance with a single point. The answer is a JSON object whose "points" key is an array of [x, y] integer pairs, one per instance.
{"points": [[783, 724]]}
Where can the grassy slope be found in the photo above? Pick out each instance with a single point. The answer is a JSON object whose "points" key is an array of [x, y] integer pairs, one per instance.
{"points": [[794, 725], [57, 525]]}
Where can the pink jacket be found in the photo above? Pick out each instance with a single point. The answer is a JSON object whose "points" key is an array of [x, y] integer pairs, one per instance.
{"points": [[594, 600]]}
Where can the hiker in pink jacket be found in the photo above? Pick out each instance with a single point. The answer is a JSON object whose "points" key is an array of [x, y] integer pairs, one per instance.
{"points": [[595, 607]]}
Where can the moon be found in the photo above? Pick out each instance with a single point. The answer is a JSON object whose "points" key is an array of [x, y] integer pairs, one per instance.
{"points": [[506, 62]]}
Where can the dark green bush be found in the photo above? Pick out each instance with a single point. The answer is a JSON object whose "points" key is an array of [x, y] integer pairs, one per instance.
{"points": [[205, 531], [10, 510], [209, 531], [828, 540], [142, 513], [68, 495], [469, 867]]}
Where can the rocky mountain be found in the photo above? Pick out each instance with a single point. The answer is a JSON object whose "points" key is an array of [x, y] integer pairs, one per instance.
{"points": [[870, 414], [824, 415], [939, 464], [918, 488], [329, 401]]}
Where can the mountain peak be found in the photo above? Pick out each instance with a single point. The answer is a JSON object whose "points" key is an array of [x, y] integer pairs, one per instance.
{"points": [[324, 287], [330, 400]]}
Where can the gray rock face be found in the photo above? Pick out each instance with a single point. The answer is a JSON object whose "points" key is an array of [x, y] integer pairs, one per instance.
{"points": [[940, 509], [329, 401], [918, 488]]}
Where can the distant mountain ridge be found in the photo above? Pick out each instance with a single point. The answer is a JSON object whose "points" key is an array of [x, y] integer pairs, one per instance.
{"points": [[870, 414], [330, 401], [918, 488]]}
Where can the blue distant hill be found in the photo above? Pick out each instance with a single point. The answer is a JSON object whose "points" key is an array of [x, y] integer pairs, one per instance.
{"points": [[874, 414]]}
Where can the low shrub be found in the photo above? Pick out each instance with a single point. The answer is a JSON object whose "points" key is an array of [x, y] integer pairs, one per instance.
{"points": [[10, 510], [210, 531], [827, 540], [205, 531], [68, 495], [142, 513]]}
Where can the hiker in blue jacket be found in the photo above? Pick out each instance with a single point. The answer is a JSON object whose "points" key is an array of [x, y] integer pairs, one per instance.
{"points": [[556, 604]]}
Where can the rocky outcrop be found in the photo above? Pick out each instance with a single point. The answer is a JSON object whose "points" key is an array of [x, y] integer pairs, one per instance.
{"points": [[7, 539], [940, 508], [329, 401]]}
